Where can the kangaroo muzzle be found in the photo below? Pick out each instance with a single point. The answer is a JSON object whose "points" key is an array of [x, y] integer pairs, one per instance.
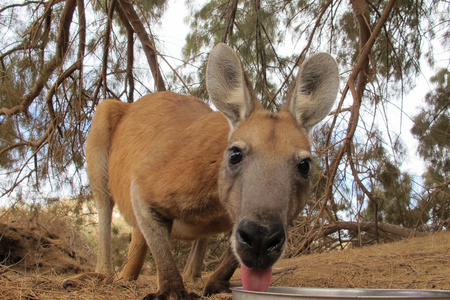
{"points": [[260, 245]]}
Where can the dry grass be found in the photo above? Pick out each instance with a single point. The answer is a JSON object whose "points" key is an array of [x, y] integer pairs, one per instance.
{"points": [[43, 259], [417, 263]]}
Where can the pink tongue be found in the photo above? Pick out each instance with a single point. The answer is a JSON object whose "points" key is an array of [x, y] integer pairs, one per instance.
{"points": [[255, 279]]}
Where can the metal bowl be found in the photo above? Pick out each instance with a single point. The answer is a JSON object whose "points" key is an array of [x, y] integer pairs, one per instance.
{"points": [[279, 293]]}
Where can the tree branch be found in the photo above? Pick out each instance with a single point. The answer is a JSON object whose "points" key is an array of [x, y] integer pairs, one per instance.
{"points": [[357, 97], [388, 231], [301, 57], [230, 21], [147, 44], [81, 43], [107, 39], [62, 44], [130, 52]]}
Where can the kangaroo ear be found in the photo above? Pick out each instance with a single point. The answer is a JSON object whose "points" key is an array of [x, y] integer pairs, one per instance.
{"points": [[227, 85], [314, 91]]}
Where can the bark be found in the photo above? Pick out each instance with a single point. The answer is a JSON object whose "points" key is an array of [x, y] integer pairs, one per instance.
{"points": [[361, 12], [130, 63]]}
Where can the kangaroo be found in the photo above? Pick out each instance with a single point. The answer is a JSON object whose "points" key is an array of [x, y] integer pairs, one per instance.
{"points": [[176, 169]]}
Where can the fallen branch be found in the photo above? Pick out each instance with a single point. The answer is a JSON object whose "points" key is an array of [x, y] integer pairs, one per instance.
{"points": [[387, 231]]}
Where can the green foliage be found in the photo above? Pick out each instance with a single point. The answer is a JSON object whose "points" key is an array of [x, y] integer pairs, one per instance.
{"points": [[253, 29], [45, 143], [432, 125], [390, 189], [7, 133], [259, 29], [432, 130]]}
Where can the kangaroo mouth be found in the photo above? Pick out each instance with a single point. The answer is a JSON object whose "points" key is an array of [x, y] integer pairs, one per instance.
{"points": [[258, 245], [254, 279]]}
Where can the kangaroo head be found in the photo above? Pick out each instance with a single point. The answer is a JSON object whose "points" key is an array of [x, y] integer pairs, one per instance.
{"points": [[266, 169]]}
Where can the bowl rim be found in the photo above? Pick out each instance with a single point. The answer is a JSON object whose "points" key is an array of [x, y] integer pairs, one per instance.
{"points": [[353, 293]]}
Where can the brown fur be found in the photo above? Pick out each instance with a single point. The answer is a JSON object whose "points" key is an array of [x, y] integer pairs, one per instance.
{"points": [[159, 164], [165, 161]]}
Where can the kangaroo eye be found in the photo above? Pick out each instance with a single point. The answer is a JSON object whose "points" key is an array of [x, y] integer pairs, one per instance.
{"points": [[304, 167], [236, 156]]}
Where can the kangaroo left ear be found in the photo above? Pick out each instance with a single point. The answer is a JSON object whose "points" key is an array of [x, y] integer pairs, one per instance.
{"points": [[228, 87], [314, 91]]}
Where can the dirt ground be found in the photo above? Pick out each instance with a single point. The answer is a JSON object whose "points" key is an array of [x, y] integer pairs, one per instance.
{"points": [[416, 263]]}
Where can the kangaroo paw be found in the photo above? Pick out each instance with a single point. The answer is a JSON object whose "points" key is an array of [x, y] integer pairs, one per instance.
{"points": [[81, 279], [179, 296], [216, 287]]}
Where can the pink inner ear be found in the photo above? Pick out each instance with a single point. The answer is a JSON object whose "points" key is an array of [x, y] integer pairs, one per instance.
{"points": [[257, 280]]}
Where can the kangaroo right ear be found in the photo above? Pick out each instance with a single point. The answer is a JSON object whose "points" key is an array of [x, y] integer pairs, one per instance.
{"points": [[314, 91], [227, 85]]}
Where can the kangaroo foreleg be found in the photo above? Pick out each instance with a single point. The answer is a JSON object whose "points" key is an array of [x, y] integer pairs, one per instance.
{"points": [[220, 279], [156, 230]]}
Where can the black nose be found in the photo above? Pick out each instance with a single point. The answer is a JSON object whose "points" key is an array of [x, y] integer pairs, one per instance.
{"points": [[260, 244]]}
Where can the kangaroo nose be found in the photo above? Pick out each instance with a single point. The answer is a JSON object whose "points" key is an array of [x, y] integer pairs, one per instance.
{"points": [[260, 240]]}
